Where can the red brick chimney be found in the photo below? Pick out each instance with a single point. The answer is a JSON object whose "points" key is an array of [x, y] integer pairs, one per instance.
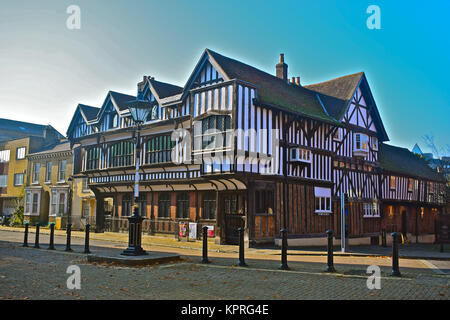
{"points": [[297, 81], [282, 69]]}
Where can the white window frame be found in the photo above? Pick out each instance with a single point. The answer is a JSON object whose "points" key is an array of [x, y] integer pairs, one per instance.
{"points": [[55, 204], [5, 155], [324, 194], [28, 209], [59, 170], [19, 153], [362, 142], [36, 165], [371, 210]]}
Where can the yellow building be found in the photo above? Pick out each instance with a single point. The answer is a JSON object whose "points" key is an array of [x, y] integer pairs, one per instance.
{"points": [[53, 193], [17, 140], [47, 194]]}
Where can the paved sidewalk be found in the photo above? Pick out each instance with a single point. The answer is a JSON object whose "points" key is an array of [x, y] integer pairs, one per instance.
{"points": [[407, 251], [28, 273]]}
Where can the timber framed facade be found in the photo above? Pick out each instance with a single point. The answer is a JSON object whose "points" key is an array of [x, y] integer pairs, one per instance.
{"points": [[236, 147]]}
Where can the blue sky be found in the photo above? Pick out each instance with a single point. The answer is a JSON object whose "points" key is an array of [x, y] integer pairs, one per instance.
{"points": [[47, 69]]}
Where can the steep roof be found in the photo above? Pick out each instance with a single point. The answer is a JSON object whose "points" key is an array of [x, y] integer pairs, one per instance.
{"points": [[337, 93], [402, 161], [273, 90], [121, 99], [89, 112], [164, 89]]}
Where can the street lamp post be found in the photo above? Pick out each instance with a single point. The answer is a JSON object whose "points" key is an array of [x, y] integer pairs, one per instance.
{"points": [[139, 110]]}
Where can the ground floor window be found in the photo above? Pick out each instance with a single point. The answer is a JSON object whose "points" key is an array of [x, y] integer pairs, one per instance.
{"points": [[58, 200], [126, 205], [322, 200], [164, 205], [371, 210], [183, 205], [209, 206], [85, 210], [32, 202]]}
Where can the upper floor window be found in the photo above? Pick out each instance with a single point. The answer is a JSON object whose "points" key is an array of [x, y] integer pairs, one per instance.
{"points": [[36, 168], [20, 153], [375, 143], [3, 180], [410, 185], [361, 142], [215, 133], [337, 136], [159, 149], [18, 179], [430, 187], [115, 121], [48, 172], [92, 158], [4, 156], [62, 170], [392, 183], [122, 154]]}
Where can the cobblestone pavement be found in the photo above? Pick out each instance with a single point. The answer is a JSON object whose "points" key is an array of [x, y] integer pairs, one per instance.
{"points": [[28, 273]]}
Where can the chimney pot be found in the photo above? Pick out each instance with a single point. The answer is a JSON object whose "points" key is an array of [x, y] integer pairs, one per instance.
{"points": [[297, 81], [281, 57], [293, 80]]}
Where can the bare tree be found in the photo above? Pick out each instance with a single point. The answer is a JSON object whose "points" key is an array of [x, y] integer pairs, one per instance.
{"points": [[429, 142]]}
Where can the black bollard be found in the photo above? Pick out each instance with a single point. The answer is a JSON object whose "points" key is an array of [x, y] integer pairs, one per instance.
{"points": [[51, 245], [36, 241], [330, 264], [69, 232], [284, 265], [86, 239], [241, 248], [205, 244], [395, 269], [25, 236]]}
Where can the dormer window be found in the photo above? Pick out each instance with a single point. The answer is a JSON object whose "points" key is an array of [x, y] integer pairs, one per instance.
{"points": [[300, 155], [361, 145]]}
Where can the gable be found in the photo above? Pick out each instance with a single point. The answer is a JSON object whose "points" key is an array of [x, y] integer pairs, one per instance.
{"points": [[358, 112], [206, 72]]}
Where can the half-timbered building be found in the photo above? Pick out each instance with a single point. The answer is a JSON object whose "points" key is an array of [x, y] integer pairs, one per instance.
{"points": [[236, 146]]}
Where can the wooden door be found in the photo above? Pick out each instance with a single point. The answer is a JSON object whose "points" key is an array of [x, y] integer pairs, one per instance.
{"points": [[233, 209]]}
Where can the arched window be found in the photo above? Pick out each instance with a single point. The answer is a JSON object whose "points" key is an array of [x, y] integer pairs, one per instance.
{"points": [[115, 122]]}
